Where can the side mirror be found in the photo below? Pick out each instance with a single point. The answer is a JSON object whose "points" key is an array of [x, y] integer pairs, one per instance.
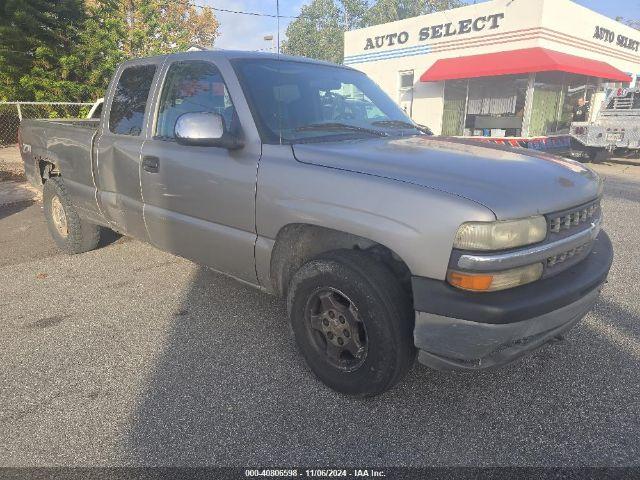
{"points": [[204, 130]]}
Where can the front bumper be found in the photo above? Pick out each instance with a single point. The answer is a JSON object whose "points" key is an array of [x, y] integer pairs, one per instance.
{"points": [[463, 330]]}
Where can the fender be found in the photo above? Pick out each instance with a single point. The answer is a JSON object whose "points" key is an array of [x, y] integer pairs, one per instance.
{"points": [[417, 223]]}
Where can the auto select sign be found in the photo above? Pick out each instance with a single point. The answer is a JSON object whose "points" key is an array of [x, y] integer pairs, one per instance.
{"points": [[442, 30], [623, 41]]}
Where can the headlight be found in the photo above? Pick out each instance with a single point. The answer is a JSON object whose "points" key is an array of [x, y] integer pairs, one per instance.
{"points": [[500, 235], [491, 282]]}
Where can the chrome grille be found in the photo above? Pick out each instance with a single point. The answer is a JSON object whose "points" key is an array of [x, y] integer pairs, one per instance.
{"points": [[564, 256], [575, 218]]}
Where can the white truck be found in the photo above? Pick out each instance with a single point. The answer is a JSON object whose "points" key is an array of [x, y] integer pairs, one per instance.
{"points": [[615, 126]]}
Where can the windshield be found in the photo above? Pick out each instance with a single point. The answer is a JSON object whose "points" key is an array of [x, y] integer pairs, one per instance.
{"points": [[306, 102]]}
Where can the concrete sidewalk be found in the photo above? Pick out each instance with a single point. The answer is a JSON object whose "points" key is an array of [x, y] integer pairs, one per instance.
{"points": [[13, 185], [10, 154], [11, 164]]}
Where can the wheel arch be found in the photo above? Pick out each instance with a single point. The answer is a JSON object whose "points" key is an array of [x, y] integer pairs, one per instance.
{"points": [[47, 167], [296, 243]]}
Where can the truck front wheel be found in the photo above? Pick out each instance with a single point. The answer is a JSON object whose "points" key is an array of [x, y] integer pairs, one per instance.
{"points": [[68, 230], [352, 322]]}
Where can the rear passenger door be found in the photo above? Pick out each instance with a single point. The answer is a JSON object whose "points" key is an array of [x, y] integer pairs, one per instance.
{"points": [[118, 147], [199, 202]]}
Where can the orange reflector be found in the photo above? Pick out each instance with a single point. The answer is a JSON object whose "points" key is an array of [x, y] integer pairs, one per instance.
{"points": [[468, 281]]}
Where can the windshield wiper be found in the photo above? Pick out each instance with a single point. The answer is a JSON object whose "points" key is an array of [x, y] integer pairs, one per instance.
{"points": [[394, 123], [402, 124], [334, 126]]}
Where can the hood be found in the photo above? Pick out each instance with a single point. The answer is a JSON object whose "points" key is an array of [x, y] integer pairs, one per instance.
{"points": [[513, 183]]}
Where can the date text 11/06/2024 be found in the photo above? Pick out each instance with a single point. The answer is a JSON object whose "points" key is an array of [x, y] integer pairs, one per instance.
{"points": [[315, 473]]}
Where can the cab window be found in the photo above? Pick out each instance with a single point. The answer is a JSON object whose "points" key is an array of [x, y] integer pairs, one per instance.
{"points": [[193, 87], [130, 100]]}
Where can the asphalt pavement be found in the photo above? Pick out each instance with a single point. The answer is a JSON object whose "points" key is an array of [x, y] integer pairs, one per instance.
{"points": [[129, 356]]}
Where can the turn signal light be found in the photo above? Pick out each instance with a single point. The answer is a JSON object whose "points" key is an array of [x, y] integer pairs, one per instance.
{"points": [[492, 282], [468, 281]]}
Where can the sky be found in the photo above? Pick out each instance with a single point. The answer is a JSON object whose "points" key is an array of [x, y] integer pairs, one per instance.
{"points": [[246, 32]]}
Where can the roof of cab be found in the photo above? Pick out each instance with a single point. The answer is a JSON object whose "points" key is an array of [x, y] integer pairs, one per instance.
{"points": [[232, 54]]}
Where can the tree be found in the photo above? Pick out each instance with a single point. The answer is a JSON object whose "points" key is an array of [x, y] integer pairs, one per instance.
{"points": [[385, 11], [162, 26], [66, 50], [101, 46], [116, 30], [319, 30], [37, 37]]}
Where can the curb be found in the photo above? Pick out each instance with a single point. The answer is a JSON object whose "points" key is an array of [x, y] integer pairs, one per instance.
{"points": [[624, 161]]}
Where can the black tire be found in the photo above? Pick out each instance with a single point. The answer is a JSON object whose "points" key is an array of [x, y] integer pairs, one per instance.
{"points": [[598, 155], [356, 282], [81, 236]]}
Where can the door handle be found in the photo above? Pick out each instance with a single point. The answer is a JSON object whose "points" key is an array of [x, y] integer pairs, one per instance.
{"points": [[150, 164]]}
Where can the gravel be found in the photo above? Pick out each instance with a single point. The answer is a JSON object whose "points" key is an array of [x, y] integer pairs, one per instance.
{"points": [[130, 356]]}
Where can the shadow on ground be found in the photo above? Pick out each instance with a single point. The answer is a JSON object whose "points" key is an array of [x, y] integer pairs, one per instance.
{"points": [[109, 237], [230, 389], [13, 208]]}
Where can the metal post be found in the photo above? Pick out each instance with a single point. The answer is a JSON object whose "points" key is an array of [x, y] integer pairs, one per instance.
{"points": [[466, 109], [19, 111], [528, 106]]}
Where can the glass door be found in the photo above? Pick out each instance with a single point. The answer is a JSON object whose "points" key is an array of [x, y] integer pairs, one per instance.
{"points": [[455, 102]]}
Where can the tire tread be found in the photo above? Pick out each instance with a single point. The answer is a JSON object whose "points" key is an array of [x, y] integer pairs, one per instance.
{"points": [[378, 279], [82, 236]]}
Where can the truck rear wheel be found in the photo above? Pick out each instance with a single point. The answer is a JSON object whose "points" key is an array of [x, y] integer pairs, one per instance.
{"points": [[598, 155], [352, 322], [68, 230]]}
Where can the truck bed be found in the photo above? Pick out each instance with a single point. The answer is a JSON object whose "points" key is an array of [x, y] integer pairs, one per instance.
{"points": [[67, 143]]}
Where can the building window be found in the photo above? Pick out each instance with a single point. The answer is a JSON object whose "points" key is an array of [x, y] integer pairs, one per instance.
{"points": [[489, 106], [496, 106], [406, 80], [555, 98]]}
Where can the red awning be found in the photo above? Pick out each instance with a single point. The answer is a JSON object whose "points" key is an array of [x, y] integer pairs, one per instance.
{"points": [[528, 60]]}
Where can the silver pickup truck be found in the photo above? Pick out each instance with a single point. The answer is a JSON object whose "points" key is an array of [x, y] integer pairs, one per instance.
{"points": [[305, 180]]}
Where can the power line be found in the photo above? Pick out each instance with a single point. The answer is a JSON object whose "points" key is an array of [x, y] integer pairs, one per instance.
{"points": [[240, 12]]}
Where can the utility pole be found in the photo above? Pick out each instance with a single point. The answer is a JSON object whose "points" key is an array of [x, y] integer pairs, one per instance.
{"points": [[278, 23]]}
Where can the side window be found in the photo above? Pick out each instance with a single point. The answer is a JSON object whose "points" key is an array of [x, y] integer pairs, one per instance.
{"points": [[130, 100], [193, 87]]}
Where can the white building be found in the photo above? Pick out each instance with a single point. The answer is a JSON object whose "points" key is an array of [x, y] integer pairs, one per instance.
{"points": [[509, 68]]}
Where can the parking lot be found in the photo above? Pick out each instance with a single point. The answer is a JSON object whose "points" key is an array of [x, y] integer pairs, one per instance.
{"points": [[127, 355]]}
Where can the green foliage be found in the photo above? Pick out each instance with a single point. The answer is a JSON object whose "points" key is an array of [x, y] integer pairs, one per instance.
{"points": [[385, 11], [100, 48], [37, 42], [67, 50], [319, 30]]}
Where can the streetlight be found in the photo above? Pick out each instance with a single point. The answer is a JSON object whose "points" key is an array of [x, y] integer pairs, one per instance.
{"points": [[269, 38]]}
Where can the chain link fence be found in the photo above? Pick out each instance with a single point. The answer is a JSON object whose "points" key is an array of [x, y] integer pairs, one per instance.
{"points": [[12, 113]]}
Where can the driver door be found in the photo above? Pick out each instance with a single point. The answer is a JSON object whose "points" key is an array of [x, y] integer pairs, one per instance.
{"points": [[199, 202]]}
